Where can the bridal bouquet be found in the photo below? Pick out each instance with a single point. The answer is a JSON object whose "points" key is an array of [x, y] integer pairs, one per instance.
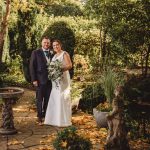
{"points": [[55, 71]]}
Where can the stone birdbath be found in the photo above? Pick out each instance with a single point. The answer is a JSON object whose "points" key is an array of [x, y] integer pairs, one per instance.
{"points": [[9, 95]]}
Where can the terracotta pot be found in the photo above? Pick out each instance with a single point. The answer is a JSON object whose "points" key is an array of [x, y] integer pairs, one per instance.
{"points": [[100, 118]]}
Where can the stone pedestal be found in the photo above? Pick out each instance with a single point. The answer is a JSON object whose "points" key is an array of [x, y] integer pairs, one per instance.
{"points": [[9, 95]]}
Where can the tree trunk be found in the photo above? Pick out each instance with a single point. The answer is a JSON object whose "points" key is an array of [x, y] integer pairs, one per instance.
{"points": [[146, 61], [100, 50], [4, 25], [104, 52], [1, 45], [142, 63], [117, 134]]}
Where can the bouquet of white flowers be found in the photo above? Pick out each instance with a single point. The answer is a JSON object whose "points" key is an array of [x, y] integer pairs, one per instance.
{"points": [[55, 71]]}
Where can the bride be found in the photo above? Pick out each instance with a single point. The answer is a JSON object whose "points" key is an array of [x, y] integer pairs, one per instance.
{"points": [[59, 106]]}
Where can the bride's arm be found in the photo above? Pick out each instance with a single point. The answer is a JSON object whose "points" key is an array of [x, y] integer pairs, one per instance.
{"points": [[68, 63]]}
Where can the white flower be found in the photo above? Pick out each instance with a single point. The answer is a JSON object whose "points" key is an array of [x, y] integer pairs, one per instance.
{"points": [[51, 52]]}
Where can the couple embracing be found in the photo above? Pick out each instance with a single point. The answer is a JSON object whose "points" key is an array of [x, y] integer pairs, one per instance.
{"points": [[52, 97]]}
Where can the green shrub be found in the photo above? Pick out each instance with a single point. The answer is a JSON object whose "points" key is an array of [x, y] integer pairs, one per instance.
{"points": [[62, 31], [92, 95], [81, 65], [68, 139]]}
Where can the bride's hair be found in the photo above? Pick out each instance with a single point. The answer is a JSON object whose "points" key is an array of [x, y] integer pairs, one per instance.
{"points": [[58, 41]]}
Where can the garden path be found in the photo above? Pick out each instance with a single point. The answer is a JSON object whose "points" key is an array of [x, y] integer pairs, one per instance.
{"points": [[31, 136]]}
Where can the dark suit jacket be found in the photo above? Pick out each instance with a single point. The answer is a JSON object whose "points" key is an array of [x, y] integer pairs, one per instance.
{"points": [[38, 67]]}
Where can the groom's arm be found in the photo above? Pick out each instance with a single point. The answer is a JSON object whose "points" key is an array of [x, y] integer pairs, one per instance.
{"points": [[33, 68]]}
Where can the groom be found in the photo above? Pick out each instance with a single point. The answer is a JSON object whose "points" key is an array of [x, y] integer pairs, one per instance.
{"points": [[39, 76]]}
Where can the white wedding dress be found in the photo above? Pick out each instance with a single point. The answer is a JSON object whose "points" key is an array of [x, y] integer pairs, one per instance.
{"points": [[59, 106]]}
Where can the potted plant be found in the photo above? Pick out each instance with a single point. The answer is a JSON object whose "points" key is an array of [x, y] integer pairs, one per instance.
{"points": [[109, 79], [100, 113]]}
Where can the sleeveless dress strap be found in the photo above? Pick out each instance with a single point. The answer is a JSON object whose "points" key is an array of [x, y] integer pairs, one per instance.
{"points": [[62, 55]]}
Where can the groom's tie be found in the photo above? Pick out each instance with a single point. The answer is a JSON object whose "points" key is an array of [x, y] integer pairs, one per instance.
{"points": [[46, 54]]}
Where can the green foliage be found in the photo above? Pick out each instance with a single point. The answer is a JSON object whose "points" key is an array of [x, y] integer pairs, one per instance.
{"points": [[2, 9], [131, 25], [24, 33], [11, 74], [68, 139], [136, 95], [61, 30], [122, 21], [81, 65], [76, 89], [92, 90], [109, 80], [14, 66], [92, 95], [137, 89], [125, 23], [87, 43], [137, 120], [86, 35], [64, 8], [3, 71], [73, 31]]}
